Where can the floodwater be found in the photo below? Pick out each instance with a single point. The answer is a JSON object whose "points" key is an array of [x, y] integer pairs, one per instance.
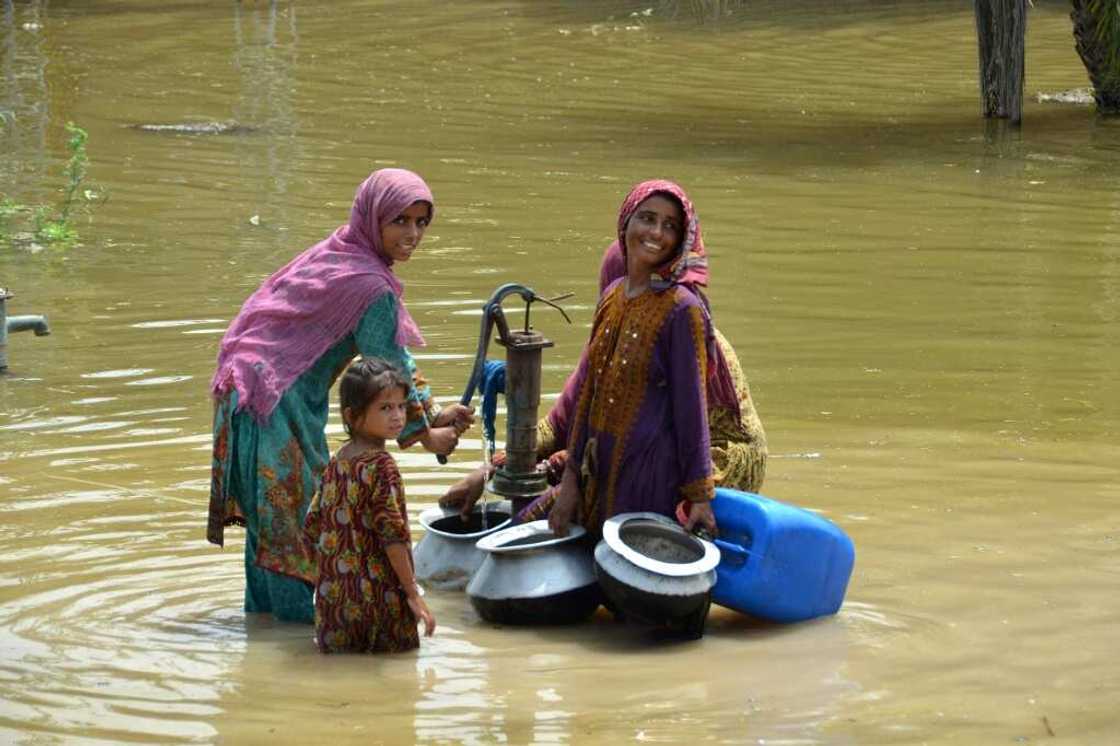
{"points": [[928, 311]]}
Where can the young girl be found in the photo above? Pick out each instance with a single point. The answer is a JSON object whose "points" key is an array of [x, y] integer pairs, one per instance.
{"points": [[367, 599]]}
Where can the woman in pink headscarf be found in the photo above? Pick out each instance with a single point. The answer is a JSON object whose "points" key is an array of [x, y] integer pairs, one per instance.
{"points": [[277, 363]]}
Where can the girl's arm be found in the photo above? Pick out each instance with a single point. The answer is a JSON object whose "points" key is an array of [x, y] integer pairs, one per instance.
{"points": [[390, 524], [401, 559]]}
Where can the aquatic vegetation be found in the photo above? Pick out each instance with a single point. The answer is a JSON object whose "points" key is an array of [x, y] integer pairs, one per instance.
{"points": [[53, 225]]}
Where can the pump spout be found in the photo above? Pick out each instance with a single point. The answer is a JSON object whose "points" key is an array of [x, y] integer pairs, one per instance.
{"points": [[30, 322], [11, 324]]}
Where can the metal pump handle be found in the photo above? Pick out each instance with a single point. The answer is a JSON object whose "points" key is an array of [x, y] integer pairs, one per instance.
{"points": [[492, 314]]}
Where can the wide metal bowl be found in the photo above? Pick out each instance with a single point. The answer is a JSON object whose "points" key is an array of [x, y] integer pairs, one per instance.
{"points": [[446, 556], [530, 576]]}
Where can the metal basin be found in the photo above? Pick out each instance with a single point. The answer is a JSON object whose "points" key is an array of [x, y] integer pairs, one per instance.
{"points": [[654, 572], [530, 576], [446, 556]]}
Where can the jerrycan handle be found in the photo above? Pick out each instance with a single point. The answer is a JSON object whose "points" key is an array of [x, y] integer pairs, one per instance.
{"points": [[731, 554]]}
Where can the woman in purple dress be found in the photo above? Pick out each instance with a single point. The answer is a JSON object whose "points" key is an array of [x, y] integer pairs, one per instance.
{"points": [[738, 447], [637, 405]]}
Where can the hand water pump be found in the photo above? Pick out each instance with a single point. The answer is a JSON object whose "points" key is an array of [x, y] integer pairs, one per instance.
{"points": [[518, 479]]}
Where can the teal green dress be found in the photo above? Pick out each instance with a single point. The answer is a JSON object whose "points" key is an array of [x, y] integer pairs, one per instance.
{"points": [[263, 475]]}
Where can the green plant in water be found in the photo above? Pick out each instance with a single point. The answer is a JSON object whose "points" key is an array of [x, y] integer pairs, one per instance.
{"points": [[75, 168], [54, 226], [51, 228]]}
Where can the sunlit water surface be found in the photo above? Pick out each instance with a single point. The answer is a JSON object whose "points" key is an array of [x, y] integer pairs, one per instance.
{"points": [[927, 312]]}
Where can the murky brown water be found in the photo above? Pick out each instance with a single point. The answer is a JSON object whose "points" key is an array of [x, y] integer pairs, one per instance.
{"points": [[930, 320]]}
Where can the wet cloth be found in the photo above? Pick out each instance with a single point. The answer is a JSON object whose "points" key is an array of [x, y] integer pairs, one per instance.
{"points": [[263, 474], [358, 510], [317, 298], [638, 432], [493, 383]]}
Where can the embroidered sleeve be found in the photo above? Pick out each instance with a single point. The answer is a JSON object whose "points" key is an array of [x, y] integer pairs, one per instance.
{"points": [[420, 408], [686, 336], [576, 440]]}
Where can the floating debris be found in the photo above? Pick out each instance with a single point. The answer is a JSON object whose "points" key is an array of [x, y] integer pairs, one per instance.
{"points": [[196, 128], [1078, 96]]}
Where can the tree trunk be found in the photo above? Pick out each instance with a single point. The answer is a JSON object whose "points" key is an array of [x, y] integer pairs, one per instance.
{"points": [[1001, 27], [1096, 55]]}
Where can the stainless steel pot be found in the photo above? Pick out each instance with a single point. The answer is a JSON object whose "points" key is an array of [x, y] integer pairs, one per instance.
{"points": [[446, 556], [531, 576], [653, 571]]}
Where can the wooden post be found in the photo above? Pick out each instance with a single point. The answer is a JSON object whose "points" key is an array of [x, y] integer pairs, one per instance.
{"points": [[1001, 27]]}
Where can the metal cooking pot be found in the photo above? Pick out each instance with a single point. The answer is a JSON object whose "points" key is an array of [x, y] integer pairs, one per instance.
{"points": [[531, 576], [655, 572], [446, 556]]}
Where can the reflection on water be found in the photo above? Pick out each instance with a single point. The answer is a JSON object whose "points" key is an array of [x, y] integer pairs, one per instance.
{"points": [[25, 106], [927, 313]]}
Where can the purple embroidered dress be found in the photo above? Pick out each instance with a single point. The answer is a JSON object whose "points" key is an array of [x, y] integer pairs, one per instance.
{"points": [[639, 434]]}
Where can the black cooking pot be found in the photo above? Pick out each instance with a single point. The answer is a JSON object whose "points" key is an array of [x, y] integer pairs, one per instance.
{"points": [[654, 572]]}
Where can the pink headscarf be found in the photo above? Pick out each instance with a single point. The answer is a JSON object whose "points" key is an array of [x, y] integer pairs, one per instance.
{"points": [[688, 267], [303, 309]]}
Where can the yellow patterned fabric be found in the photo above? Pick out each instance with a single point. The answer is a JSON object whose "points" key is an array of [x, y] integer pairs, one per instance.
{"points": [[547, 441], [738, 444]]}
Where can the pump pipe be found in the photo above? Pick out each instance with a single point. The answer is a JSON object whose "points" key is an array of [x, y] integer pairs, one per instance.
{"points": [[10, 324]]}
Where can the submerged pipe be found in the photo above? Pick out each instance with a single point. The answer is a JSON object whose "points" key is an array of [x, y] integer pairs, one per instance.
{"points": [[10, 324]]}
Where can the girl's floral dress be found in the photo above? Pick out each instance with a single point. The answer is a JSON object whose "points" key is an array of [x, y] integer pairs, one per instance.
{"points": [[358, 510]]}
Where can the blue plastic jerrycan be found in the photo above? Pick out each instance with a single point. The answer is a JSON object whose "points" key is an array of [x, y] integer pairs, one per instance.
{"points": [[778, 561]]}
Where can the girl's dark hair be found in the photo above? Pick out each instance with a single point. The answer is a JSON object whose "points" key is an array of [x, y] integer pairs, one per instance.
{"points": [[363, 381]]}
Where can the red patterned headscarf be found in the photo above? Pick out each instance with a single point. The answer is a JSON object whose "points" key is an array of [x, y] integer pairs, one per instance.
{"points": [[689, 266]]}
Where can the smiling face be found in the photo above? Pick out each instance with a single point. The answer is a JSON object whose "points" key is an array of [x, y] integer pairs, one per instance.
{"points": [[401, 235], [383, 418], [654, 232]]}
